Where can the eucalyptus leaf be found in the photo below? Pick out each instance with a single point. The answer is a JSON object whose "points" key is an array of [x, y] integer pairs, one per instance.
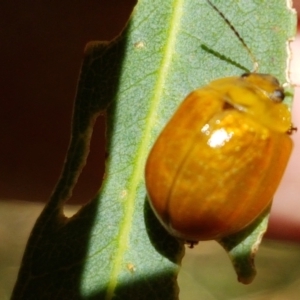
{"points": [[114, 248]]}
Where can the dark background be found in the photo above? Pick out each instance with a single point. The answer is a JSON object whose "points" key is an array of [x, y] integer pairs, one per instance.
{"points": [[41, 50]]}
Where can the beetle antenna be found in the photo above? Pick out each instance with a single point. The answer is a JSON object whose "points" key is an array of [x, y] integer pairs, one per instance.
{"points": [[253, 58]]}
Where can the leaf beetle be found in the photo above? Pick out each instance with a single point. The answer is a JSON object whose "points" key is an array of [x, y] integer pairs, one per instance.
{"points": [[219, 160]]}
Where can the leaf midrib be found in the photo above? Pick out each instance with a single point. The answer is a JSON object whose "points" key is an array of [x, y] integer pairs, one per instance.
{"points": [[143, 148]]}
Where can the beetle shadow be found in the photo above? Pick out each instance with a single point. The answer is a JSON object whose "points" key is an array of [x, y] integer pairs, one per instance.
{"points": [[224, 58], [165, 244]]}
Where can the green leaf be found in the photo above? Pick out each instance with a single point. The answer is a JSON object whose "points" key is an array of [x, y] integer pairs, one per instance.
{"points": [[114, 248]]}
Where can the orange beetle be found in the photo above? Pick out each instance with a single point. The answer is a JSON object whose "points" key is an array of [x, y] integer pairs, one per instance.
{"points": [[216, 165]]}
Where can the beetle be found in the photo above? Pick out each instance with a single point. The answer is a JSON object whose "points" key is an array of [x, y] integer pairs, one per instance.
{"points": [[216, 165]]}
